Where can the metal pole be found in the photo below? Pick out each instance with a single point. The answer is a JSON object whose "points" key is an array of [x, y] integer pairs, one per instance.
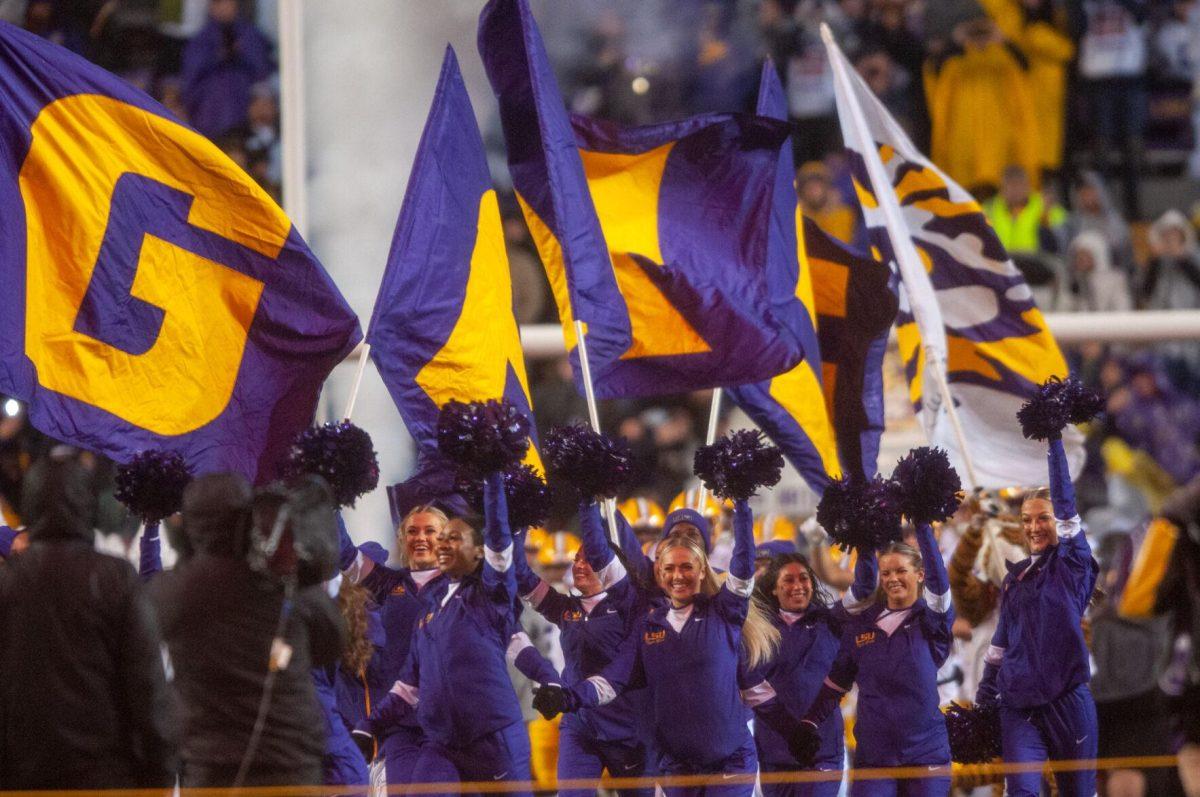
{"points": [[610, 506]]}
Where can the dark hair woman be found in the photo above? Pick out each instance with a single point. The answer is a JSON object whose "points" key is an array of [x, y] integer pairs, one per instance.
{"points": [[810, 632]]}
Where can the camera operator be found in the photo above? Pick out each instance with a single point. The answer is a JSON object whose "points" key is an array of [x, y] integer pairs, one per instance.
{"points": [[83, 697], [245, 619]]}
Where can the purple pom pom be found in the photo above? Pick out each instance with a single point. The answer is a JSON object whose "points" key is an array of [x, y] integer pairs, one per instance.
{"points": [[595, 465], [927, 486], [974, 732], [482, 437], [342, 454], [735, 466], [860, 515], [1045, 415], [151, 484], [527, 493], [1057, 403], [1083, 402]]}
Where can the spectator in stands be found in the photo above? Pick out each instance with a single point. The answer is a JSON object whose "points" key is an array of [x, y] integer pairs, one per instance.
{"points": [[1044, 42], [1112, 65], [1090, 283], [981, 108], [1020, 216], [83, 698], [220, 65], [1092, 209], [1151, 416], [792, 33], [821, 202], [1172, 282]]}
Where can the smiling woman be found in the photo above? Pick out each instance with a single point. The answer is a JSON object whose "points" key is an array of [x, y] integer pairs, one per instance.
{"points": [[1038, 664], [891, 648]]}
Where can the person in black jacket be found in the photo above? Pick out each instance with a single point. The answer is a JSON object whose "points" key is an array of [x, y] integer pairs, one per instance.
{"points": [[219, 617], [83, 696]]}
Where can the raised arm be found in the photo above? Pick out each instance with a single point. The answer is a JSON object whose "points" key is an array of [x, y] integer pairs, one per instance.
{"points": [[733, 601], [377, 579], [862, 591], [937, 594], [499, 578], [1074, 550], [599, 553], [631, 547], [150, 555]]}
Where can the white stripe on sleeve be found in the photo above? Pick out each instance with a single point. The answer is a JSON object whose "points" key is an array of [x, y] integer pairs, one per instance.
{"points": [[758, 694], [834, 686], [739, 586], [516, 644], [994, 655], [611, 573], [500, 561], [538, 594], [1069, 528], [939, 603], [409, 694], [359, 568], [604, 691]]}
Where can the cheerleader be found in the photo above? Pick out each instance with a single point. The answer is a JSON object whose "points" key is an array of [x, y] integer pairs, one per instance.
{"points": [[455, 680], [892, 649], [593, 626], [801, 610], [687, 653], [403, 596], [1037, 665]]}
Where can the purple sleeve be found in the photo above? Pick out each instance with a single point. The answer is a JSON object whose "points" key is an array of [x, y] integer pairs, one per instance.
{"points": [[623, 673], [150, 559], [825, 703], [635, 557], [498, 575], [7, 535], [1062, 491], [527, 580], [733, 600], [600, 555], [347, 551], [529, 662], [862, 592]]}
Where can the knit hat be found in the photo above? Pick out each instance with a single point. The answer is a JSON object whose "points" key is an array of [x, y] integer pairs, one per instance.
{"points": [[687, 515]]}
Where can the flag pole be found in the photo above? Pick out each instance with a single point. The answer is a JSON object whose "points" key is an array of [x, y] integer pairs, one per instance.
{"points": [[291, 112], [710, 437], [589, 392], [912, 272], [364, 349]]}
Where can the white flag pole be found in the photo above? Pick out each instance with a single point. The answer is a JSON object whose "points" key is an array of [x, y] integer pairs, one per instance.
{"points": [[589, 392], [710, 437], [922, 299]]}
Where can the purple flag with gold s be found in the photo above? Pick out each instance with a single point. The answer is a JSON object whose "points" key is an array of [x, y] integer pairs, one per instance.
{"points": [[154, 296]]}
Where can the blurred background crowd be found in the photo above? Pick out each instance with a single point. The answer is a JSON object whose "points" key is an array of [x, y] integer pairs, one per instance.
{"points": [[1076, 123]]}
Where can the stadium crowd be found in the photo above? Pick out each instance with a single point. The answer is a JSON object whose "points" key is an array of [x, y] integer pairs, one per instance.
{"points": [[1120, 79]]}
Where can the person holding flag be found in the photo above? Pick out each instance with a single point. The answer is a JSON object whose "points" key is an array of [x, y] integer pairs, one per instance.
{"points": [[1037, 666]]}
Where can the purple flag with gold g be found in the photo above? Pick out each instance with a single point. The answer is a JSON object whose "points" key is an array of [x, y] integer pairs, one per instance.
{"points": [[153, 296]]}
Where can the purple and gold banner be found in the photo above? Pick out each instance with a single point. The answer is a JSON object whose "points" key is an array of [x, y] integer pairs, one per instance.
{"points": [[154, 295]]}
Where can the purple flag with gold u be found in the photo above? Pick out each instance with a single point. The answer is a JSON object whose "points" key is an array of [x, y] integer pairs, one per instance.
{"points": [[153, 295]]}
